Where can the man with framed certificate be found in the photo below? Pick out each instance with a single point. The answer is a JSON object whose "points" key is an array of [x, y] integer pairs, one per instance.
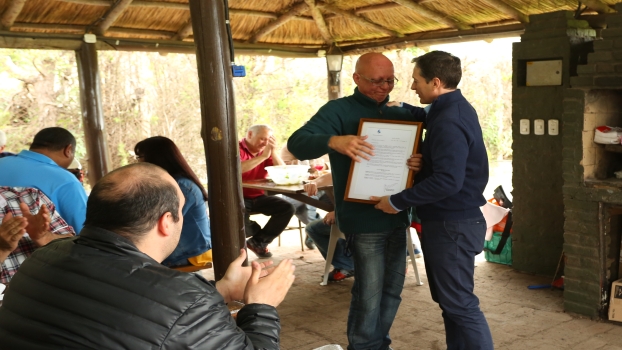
{"points": [[448, 194], [377, 239]]}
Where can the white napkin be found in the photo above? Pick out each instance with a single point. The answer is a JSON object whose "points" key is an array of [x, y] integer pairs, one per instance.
{"points": [[607, 135], [2, 288], [493, 214]]}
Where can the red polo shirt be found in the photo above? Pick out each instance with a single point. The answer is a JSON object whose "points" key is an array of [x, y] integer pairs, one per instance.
{"points": [[258, 172]]}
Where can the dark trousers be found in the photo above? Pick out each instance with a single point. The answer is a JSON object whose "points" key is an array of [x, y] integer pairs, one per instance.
{"points": [[279, 211], [449, 249]]}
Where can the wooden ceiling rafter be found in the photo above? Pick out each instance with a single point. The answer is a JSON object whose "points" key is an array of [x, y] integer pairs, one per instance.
{"points": [[184, 32], [432, 14], [508, 10], [379, 7], [79, 29], [10, 14], [182, 6], [320, 22], [358, 19], [284, 18], [112, 15], [597, 6], [159, 4], [438, 37]]}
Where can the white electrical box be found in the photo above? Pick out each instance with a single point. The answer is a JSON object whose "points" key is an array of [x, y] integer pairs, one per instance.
{"points": [[553, 127], [538, 127], [90, 38], [524, 126], [542, 73]]}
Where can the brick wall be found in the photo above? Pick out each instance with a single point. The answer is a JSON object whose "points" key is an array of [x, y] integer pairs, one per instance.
{"points": [[538, 233], [590, 196]]}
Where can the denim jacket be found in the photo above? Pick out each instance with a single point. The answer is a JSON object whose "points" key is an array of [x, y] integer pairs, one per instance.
{"points": [[196, 237]]}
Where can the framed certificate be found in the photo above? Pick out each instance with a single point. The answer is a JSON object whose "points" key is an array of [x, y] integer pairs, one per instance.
{"points": [[386, 172]]}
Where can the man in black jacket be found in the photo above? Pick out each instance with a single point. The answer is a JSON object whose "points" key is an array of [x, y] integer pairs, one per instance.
{"points": [[448, 196], [106, 288]]}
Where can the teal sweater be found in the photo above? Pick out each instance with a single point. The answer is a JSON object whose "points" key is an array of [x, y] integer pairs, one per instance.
{"points": [[337, 118]]}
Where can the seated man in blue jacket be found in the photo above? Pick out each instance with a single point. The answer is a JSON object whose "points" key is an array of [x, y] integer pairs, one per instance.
{"points": [[106, 288], [448, 196]]}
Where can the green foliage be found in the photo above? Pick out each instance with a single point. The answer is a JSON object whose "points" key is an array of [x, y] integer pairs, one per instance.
{"points": [[123, 154], [146, 94]]}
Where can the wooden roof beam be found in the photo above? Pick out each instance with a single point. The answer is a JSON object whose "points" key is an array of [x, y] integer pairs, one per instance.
{"points": [[508, 10], [440, 37], [439, 17], [112, 15], [597, 6], [182, 6], [319, 21], [380, 7], [184, 32], [284, 18], [358, 19], [10, 14], [160, 4]]}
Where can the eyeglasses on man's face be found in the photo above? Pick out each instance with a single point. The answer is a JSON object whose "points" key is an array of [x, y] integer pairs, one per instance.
{"points": [[379, 83]]}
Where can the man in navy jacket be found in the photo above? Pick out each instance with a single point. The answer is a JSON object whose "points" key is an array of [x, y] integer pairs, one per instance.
{"points": [[448, 195]]}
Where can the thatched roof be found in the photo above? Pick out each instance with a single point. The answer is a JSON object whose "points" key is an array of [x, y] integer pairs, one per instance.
{"points": [[282, 27]]}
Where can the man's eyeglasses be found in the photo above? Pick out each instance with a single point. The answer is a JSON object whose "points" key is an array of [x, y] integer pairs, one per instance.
{"points": [[379, 83]]}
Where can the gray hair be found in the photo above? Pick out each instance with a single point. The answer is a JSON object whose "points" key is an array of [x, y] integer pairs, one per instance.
{"points": [[2, 138], [258, 127]]}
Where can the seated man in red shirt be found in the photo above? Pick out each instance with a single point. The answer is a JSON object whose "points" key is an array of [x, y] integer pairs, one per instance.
{"points": [[257, 151]]}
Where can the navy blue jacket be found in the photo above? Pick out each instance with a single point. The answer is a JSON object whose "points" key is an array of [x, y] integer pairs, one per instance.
{"points": [[454, 175]]}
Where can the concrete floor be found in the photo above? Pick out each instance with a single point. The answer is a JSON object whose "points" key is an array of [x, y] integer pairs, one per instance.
{"points": [[519, 318]]}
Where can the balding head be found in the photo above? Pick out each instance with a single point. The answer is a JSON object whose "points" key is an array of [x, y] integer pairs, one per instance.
{"points": [[372, 61], [257, 137], [130, 200], [371, 74]]}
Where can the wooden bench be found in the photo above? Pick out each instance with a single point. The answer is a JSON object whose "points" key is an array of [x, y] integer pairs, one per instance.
{"points": [[192, 268]]}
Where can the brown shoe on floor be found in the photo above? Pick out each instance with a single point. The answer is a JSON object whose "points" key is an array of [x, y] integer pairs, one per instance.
{"points": [[258, 249]]}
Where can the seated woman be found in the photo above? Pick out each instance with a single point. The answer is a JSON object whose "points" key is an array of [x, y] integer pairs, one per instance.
{"points": [[196, 239]]}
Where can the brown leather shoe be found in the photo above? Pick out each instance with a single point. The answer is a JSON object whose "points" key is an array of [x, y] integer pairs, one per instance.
{"points": [[258, 249]]}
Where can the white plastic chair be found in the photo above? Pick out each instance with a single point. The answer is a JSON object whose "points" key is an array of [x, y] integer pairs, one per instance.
{"points": [[335, 234]]}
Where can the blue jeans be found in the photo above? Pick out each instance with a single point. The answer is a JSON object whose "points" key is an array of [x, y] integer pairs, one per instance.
{"points": [[379, 270], [320, 234], [449, 249]]}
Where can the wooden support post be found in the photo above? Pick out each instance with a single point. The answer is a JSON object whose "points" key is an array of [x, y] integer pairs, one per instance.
{"points": [[219, 132], [92, 114]]}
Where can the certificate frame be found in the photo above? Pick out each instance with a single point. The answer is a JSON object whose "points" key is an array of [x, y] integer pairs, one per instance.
{"points": [[407, 133]]}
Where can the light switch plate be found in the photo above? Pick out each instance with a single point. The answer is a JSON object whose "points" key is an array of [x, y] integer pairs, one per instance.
{"points": [[553, 127], [524, 126], [538, 127]]}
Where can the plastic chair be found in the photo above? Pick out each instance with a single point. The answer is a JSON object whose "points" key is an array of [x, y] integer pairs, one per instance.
{"points": [[335, 234]]}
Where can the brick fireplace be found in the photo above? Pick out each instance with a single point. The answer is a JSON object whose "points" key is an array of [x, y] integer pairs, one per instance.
{"points": [[566, 197], [592, 195]]}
